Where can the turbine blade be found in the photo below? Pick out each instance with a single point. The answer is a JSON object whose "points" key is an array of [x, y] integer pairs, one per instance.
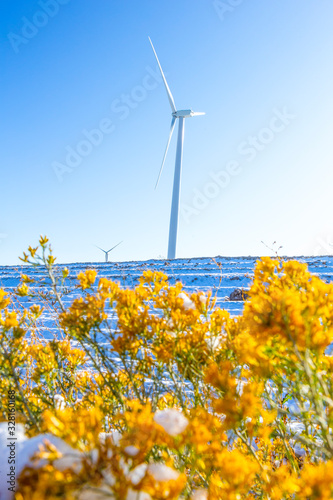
{"points": [[114, 247], [173, 121], [170, 97], [197, 113], [100, 249]]}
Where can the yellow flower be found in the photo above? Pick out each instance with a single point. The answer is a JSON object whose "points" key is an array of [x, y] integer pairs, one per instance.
{"points": [[22, 290], [11, 320], [3, 301], [87, 278], [32, 251], [43, 240], [316, 482]]}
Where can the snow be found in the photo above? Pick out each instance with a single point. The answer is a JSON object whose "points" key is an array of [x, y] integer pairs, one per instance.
{"points": [[172, 421]]}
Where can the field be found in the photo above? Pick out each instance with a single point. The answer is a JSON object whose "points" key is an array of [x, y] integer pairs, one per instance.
{"points": [[221, 275]]}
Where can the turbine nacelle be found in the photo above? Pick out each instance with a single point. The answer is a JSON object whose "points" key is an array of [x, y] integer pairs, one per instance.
{"points": [[186, 113]]}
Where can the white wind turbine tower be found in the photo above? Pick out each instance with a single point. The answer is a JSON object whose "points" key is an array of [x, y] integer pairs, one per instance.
{"points": [[180, 115], [108, 251]]}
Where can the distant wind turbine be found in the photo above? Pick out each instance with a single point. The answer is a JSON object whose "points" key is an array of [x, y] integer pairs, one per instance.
{"points": [[181, 115], [108, 251]]}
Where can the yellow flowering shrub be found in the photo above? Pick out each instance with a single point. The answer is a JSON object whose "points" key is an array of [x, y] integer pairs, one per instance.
{"points": [[151, 393]]}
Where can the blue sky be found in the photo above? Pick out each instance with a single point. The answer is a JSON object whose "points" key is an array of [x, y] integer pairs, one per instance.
{"points": [[85, 121]]}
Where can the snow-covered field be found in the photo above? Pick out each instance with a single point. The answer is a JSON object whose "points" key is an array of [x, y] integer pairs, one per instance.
{"points": [[221, 275]]}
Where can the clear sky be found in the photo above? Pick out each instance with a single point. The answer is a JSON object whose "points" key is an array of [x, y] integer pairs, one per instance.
{"points": [[85, 120]]}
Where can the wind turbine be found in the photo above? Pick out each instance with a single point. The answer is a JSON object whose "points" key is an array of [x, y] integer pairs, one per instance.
{"points": [[180, 115], [108, 251]]}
